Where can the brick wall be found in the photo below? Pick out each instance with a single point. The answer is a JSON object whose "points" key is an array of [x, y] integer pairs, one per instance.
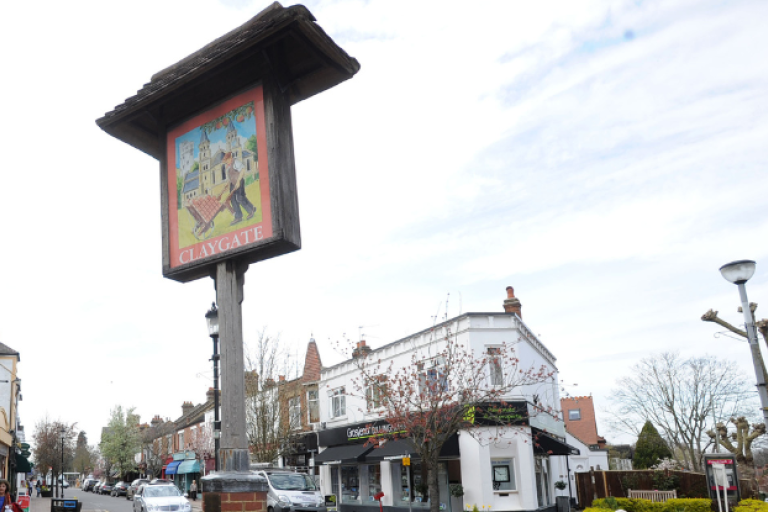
{"points": [[585, 428]]}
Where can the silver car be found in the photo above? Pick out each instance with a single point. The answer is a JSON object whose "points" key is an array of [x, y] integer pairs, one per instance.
{"points": [[157, 498], [292, 492]]}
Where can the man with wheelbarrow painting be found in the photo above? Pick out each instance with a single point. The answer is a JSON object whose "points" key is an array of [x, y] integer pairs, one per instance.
{"points": [[237, 197]]}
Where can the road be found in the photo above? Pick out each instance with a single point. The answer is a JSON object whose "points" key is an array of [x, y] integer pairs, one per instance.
{"points": [[92, 501]]}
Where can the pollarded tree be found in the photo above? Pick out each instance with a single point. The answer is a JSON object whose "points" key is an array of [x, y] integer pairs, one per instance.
{"points": [[650, 448], [120, 441], [444, 389], [680, 397]]}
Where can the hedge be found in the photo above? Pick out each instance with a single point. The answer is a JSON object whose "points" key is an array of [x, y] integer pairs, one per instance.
{"points": [[751, 506], [673, 505]]}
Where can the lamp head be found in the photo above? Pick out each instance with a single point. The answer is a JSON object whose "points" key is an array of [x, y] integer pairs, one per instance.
{"points": [[212, 318], [738, 272]]}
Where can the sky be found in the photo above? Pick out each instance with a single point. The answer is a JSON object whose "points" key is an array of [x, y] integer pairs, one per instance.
{"points": [[604, 158]]}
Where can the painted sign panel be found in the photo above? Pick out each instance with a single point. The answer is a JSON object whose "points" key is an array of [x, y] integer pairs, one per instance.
{"points": [[218, 181]]}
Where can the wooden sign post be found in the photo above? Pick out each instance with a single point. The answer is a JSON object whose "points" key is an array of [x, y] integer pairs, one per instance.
{"points": [[219, 123]]}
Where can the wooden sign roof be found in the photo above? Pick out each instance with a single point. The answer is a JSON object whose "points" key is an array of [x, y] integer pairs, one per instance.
{"points": [[283, 42]]}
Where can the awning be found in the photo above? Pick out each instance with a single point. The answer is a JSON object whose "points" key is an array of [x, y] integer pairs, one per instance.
{"points": [[544, 443], [399, 448], [22, 464], [344, 453], [188, 466], [173, 467], [395, 449]]}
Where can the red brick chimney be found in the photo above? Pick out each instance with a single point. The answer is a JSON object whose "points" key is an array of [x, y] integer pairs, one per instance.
{"points": [[512, 304], [156, 420], [362, 350], [281, 378]]}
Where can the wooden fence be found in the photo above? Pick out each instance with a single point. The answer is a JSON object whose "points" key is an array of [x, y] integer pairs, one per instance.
{"points": [[601, 484]]}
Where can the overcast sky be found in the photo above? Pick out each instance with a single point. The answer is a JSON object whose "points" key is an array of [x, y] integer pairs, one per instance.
{"points": [[604, 158]]}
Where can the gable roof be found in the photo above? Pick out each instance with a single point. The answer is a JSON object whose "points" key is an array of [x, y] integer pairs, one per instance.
{"points": [[284, 41], [5, 350]]}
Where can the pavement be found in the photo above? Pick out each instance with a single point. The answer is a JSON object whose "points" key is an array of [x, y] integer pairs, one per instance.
{"points": [[44, 505]]}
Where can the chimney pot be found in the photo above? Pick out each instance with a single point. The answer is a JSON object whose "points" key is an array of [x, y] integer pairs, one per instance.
{"points": [[281, 378], [510, 292]]}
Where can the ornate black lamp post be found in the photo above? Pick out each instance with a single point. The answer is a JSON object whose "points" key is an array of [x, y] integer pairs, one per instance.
{"points": [[212, 318]]}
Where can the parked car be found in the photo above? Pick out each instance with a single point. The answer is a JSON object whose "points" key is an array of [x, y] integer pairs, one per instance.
{"points": [[161, 481], [290, 491], [96, 487], [105, 488], [119, 489], [88, 484], [134, 487], [160, 497]]}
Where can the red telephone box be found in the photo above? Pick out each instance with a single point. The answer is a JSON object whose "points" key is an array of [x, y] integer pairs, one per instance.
{"points": [[732, 490]]}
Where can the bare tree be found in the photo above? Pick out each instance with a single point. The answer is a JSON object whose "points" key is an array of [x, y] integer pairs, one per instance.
{"points": [[680, 397], [268, 422], [444, 389], [48, 446], [201, 440]]}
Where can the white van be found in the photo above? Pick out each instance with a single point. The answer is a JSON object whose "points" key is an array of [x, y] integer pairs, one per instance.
{"points": [[290, 491]]}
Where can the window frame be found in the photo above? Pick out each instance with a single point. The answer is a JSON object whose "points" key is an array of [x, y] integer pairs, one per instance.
{"points": [[574, 414], [338, 396], [294, 412], [313, 405], [495, 369]]}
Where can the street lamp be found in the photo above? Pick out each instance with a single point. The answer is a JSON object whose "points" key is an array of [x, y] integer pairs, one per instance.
{"points": [[739, 272], [212, 318], [62, 435]]}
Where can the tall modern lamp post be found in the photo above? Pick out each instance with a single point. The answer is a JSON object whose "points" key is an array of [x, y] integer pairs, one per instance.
{"points": [[212, 318], [62, 435], [739, 272]]}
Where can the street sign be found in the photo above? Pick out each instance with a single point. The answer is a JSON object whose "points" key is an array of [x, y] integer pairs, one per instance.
{"points": [[406, 461]]}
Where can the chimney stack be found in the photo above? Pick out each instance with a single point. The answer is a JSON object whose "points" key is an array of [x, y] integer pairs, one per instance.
{"points": [[281, 378], [186, 408], [156, 420], [209, 394], [362, 350], [512, 304]]}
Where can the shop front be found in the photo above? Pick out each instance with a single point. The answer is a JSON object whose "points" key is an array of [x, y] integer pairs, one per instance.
{"points": [[188, 471], [356, 472]]}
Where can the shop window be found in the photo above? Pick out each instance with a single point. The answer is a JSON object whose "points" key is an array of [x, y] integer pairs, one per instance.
{"points": [[374, 481], [294, 412], [574, 414], [313, 404], [338, 402], [350, 484], [503, 472], [494, 366]]}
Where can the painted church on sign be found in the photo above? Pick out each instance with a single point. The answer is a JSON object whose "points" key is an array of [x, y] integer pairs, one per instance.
{"points": [[211, 170]]}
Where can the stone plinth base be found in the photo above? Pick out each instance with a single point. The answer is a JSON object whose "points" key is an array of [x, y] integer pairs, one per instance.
{"points": [[234, 492]]}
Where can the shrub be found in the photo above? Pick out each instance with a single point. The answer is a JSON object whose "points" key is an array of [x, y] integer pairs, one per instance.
{"points": [[751, 506], [688, 505], [675, 505]]}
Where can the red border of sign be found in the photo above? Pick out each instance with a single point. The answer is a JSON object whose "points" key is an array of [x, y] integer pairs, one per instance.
{"points": [[212, 247]]}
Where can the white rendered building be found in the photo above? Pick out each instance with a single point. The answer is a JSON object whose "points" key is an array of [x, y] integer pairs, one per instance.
{"points": [[512, 473]]}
